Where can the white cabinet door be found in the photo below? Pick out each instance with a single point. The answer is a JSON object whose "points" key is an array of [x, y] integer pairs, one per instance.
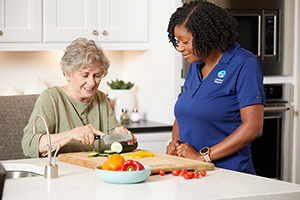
{"points": [[21, 21], [156, 141], [66, 20], [101, 20], [123, 20]]}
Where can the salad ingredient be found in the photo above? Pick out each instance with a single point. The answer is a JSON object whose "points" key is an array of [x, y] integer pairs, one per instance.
{"points": [[101, 152], [191, 174], [106, 166], [103, 155], [114, 163], [140, 154], [186, 176], [162, 172], [175, 172], [202, 172], [117, 147], [94, 154], [132, 165], [183, 171], [109, 152], [98, 150], [196, 174], [123, 147]]}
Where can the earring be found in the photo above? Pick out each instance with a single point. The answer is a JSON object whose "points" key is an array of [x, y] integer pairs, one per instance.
{"points": [[68, 80]]}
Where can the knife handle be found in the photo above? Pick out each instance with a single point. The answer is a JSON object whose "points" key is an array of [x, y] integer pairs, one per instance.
{"points": [[97, 137]]}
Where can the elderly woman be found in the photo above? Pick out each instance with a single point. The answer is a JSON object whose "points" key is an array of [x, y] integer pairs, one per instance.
{"points": [[221, 109], [78, 111]]}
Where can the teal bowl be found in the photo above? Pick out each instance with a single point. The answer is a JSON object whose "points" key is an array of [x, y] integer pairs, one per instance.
{"points": [[123, 177]]}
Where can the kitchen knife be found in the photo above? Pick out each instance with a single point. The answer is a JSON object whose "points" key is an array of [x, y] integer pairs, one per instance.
{"points": [[115, 137]]}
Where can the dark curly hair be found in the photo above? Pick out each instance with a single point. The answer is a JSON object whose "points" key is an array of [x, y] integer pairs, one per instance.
{"points": [[210, 25]]}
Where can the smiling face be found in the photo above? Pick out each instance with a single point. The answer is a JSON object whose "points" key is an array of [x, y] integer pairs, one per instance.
{"points": [[185, 43], [84, 82]]}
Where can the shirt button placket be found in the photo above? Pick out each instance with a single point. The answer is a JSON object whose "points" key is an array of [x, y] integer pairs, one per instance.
{"points": [[196, 89]]}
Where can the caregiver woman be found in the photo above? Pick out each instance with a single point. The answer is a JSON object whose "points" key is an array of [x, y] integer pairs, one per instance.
{"points": [[221, 109], [78, 111]]}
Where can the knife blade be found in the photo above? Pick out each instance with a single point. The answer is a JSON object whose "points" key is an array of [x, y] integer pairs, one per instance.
{"points": [[115, 137]]}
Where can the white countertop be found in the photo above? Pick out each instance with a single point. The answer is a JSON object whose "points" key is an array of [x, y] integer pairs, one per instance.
{"points": [[76, 182]]}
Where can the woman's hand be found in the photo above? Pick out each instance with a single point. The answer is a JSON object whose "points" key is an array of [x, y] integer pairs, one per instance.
{"points": [[187, 151], [86, 134], [121, 129], [172, 147]]}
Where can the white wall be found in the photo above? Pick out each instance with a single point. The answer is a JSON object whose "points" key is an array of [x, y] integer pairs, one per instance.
{"points": [[156, 71]]}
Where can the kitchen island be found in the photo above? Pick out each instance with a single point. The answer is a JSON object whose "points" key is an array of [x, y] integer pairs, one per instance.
{"points": [[76, 182]]}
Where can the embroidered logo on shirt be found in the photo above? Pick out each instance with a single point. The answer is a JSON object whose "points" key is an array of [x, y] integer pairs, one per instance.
{"points": [[221, 75]]}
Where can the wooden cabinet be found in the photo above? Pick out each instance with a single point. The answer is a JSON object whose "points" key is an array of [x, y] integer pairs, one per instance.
{"points": [[53, 24], [100, 20], [20, 21]]}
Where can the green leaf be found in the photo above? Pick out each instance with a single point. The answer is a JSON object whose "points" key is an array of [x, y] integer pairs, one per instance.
{"points": [[120, 84]]}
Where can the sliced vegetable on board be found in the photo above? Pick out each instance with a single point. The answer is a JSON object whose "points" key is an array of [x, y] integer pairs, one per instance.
{"points": [[123, 147], [94, 154], [98, 150], [139, 154]]}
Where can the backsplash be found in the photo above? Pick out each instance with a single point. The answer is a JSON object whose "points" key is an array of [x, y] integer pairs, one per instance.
{"points": [[19, 69]]}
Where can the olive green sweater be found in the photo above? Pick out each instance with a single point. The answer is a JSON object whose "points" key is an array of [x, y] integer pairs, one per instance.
{"points": [[62, 113]]}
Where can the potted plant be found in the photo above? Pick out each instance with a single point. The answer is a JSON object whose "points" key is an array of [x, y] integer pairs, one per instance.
{"points": [[121, 96], [120, 85]]}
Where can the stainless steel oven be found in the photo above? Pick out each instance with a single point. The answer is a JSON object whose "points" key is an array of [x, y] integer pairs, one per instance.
{"points": [[271, 152], [261, 31]]}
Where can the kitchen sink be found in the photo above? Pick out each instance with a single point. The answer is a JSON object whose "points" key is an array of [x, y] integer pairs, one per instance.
{"points": [[20, 174], [22, 170]]}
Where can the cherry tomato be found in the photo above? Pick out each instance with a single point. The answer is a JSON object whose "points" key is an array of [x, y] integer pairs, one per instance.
{"points": [[162, 172], [202, 173], [175, 172], [196, 174], [191, 174], [186, 176], [183, 171]]}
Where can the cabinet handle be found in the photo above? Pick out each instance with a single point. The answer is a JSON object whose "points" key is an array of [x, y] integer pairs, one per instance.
{"points": [[95, 32], [105, 32], [1, 33]]}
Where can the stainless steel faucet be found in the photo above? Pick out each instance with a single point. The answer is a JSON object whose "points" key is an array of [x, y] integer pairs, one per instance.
{"points": [[51, 170]]}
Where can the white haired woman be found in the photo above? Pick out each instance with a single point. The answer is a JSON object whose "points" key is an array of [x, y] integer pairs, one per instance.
{"points": [[78, 111]]}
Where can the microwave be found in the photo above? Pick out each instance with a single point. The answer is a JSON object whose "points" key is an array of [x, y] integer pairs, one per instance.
{"points": [[260, 27]]}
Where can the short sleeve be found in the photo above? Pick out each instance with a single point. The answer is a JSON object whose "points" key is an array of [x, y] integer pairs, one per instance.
{"points": [[249, 86]]}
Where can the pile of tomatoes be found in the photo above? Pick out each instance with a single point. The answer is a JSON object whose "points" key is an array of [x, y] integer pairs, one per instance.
{"points": [[184, 173]]}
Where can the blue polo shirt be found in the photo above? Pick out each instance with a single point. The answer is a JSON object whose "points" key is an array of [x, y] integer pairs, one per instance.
{"points": [[208, 111]]}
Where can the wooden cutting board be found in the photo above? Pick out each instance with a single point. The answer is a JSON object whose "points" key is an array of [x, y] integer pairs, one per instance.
{"points": [[159, 161]]}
